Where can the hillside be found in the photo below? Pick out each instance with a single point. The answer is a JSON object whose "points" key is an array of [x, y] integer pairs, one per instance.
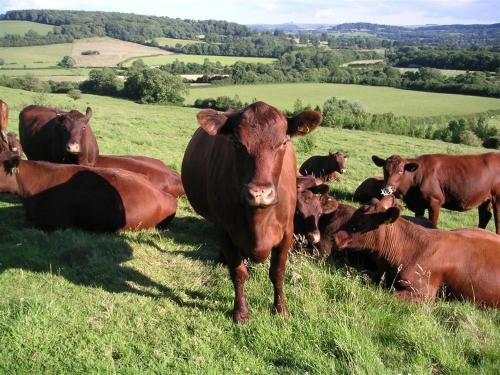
{"points": [[22, 27], [157, 301]]}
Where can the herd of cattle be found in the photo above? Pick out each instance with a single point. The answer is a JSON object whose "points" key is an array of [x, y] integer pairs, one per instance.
{"points": [[239, 172]]}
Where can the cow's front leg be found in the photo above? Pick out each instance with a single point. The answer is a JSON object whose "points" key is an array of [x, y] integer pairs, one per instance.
{"points": [[434, 207], [279, 257], [239, 274]]}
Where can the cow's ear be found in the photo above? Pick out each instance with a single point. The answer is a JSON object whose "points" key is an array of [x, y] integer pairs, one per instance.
{"points": [[391, 215], [211, 121], [328, 204], [304, 123], [88, 114], [342, 239], [320, 189], [11, 163], [411, 167], [379, 162]]}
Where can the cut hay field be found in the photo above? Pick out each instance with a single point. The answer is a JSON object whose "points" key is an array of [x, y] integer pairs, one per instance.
{"points": [[199, 59], [22, 27], [171, 42], [374, 99], [157, 301]]}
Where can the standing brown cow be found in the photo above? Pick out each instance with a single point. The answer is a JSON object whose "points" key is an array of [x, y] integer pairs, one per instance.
{"points": [[60, 137], [239, 172], [455, 182]]}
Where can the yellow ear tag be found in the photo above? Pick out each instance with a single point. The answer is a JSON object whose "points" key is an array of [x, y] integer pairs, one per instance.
{"points": [[15, 170], [304, 129]]}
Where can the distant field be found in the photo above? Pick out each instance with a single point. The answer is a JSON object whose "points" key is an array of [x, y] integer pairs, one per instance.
{"points": [[171, 42], [22, 27], [224, 60], [363, 62], [34, 56], [373, 99], [446, 72], [45, 72]]}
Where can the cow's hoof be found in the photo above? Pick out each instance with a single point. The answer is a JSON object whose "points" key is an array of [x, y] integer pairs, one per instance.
{"points": [[240, 316], [281, 309]]}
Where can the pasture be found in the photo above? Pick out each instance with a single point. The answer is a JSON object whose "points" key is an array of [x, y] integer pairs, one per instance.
{"points": [[22, 27], [157, 301], [374, 99], [34, 56], [199, 59]]}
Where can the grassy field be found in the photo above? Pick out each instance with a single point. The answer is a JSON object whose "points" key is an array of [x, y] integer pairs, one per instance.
{"points": [[34, 56], [374, 99], [446, 72], [171, 42], [224, 60], [22, 27], [156, 301], [46, 72]]}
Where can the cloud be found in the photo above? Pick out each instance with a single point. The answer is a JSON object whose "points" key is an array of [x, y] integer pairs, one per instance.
{"points": [[396, 12]]}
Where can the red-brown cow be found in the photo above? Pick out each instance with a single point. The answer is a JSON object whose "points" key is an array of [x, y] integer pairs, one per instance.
{"points": [[61, 137], [369, 189], [97, 199], [465, 261], [4, 118], [325, 167], [455, 182], [154, 170], [239, 172], [313, 202]]}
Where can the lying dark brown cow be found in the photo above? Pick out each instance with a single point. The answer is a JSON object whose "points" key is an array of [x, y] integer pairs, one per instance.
{"points": [[369, 189], [324, 167], [162, 177], [97, 199], [465, 261], [239, 172], [313, 201], [60, 137], [455, 182]]}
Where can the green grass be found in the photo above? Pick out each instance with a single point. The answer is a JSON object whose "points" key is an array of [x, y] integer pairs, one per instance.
{"points": [[156, 301], [46, 72], [224, 60], [35, 56], [22, 27], [171, 42], [446, 72], [374, 99]]}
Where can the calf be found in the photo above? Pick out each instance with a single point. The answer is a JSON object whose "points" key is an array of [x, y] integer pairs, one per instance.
{"points": [[57, 136], [465, 261], [97, 199], [455, 182], [162, 177], [324, 167], [369, 189], [239, 172], [313, 201]]}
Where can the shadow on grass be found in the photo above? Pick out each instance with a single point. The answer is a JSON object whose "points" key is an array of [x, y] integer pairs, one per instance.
{"points": [[83, 258]]}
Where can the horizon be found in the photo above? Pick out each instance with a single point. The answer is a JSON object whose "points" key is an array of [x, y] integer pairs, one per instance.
{"points": [[277, 12]]}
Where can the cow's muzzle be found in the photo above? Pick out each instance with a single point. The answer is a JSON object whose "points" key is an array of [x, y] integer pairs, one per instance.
{"points": [[260, 196], [73, 148], [313, 237]]}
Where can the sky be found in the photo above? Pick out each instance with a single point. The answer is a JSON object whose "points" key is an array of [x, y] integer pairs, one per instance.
{"points": [[392, 12]]}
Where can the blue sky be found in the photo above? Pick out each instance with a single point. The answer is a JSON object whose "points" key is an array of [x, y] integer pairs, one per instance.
{"points": [[394, 12]]}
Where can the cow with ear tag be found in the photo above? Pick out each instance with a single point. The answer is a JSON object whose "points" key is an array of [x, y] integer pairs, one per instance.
{"points": [[239, 172], [58, 136], [455, 182]]}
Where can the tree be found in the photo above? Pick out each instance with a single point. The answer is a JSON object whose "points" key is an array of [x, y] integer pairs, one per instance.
{"points": [[153, 85], [67, 62], [103, 82]]}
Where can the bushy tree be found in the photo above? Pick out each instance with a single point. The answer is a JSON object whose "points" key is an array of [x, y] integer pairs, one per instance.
{"points": [[67, 62], [153, 85], [103, 82]]}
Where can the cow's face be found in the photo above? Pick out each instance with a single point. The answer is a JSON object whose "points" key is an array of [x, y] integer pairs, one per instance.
{"points": [[398, 172], [368, 218], [260, 136], [73, 127], [14, 144], [338, 160], [312, 202]]}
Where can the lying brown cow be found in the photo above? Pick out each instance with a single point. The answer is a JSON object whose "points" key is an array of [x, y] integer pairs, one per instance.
{"points": [[97, 199], [313, 202], [369, 189], [60, 137], [239, 172], [325, 167], [455, 182], [162, 177], [465, 261]]}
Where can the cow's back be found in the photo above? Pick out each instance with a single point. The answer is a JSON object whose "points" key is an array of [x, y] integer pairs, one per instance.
{"points": [[313, 166], [36, 132]]}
